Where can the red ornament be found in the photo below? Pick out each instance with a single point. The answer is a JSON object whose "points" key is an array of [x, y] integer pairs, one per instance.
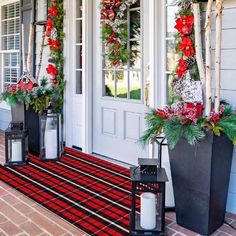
{"points": [[187, 30], [52, 70], [55, 81], [53, 11]]}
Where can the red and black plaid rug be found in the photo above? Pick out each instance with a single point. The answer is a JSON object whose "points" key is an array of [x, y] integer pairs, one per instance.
{"points": [[90, 193]]}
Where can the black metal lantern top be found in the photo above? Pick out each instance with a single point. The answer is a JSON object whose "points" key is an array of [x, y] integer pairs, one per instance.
{"points": [[144, 185]]}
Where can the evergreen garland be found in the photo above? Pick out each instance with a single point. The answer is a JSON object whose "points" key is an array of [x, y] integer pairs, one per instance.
{"points": [[55, 34]]}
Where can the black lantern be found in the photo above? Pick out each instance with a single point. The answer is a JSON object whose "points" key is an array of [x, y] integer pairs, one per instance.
{"points": [[50, 137], [148, 199], [41, 7], [16, 143]]}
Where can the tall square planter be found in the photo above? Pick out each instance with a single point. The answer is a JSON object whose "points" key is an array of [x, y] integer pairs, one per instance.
{"points": [[200, 180], [32, 124]]}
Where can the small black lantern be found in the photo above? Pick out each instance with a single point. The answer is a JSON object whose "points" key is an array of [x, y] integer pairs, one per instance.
{"points": [[16, 143], [50, 136], [148, 200]]}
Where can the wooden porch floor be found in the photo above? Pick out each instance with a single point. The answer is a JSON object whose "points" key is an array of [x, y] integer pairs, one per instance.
{"points": [[21, 216]]}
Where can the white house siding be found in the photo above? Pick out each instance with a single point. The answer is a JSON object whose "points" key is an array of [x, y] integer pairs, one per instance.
{"points": [[5, 118]]}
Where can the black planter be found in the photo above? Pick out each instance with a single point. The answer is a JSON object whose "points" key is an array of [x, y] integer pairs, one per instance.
{"points": [[200, 180], [32, 124]]}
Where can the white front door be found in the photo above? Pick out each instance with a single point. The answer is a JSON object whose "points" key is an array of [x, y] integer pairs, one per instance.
{"points": [[74, 73], [119, 103]]}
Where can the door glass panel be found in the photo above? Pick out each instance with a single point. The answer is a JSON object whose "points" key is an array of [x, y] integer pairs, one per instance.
{"points": [[124, 81], [78, 48], [135, 85], [109, 83], [78, 88], [78, 8], [122, 84]]}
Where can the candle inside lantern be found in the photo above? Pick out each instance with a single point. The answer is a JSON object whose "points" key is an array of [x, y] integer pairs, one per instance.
{"points": [[51, 144], [148, 211], [16, 151]]}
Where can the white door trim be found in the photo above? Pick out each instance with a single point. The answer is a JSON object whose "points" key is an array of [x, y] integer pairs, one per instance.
{"points": [[69, 65], [87, 111]]}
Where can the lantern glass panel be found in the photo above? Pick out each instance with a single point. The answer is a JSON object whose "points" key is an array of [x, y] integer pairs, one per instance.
{"points": [[41, 10], [15, 150], [16, 146], [50, 137]]}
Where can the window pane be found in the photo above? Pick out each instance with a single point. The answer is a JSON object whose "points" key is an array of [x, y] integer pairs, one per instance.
{"points": [[134, 24], [135, 85], [171, 55], [170, 92], [78, 86], [135, 57], [78, 8], [121, 84], [170, 22], [78, 57], [79, 31], [109, 83], [170, 2]]}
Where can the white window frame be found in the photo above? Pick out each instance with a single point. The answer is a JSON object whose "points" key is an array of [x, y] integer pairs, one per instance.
{"points": [[4, 105]]}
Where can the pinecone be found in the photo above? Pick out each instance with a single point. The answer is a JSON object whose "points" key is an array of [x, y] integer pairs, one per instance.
{"points": [[190, 62], [185, 5]]}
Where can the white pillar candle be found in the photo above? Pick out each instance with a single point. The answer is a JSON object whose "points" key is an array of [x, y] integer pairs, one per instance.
{"points": [[51, 144], [16, 151], [148, 211]]}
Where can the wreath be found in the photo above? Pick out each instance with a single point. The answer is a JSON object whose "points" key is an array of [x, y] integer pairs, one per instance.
{"points": [[55, 35], [114, 30]]}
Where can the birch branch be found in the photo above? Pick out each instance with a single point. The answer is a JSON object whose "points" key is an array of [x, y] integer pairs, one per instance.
{"points": [[219, 7], [198, 46], [23, 48], [208, 57], [30, 49]]}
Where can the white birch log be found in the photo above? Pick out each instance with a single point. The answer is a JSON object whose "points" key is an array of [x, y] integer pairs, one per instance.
{"points": [[198, 46], [23, 48], [30, 49], [219, 7], [208, 57]]}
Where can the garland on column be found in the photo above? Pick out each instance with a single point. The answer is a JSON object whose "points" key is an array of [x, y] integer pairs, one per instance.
{"points": [[115, 31], [55, 35], [187, 84]]}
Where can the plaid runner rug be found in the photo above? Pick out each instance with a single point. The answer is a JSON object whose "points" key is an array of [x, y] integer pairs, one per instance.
{"points": [[92, 194]]}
